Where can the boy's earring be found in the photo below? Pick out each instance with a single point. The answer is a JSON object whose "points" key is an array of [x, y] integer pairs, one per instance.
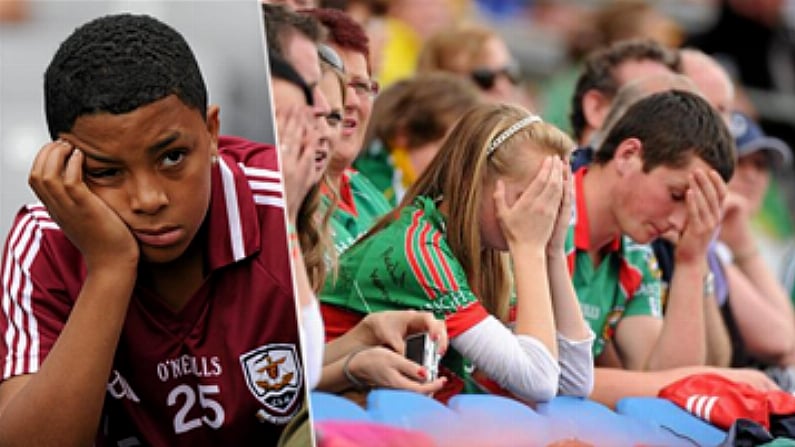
{"points": [[214, 158]]}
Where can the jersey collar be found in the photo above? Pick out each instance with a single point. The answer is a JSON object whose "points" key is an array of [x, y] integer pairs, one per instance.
{"points": [[582, 240], [233, 224]]}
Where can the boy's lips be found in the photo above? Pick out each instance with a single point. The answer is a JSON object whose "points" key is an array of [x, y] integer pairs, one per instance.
{"points": [[159, 237]]}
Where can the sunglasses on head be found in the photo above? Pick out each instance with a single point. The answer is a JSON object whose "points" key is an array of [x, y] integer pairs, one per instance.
{"points": [[485, 78], [330, 57]]}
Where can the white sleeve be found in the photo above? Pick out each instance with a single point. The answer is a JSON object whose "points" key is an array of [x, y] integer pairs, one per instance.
{"points": [[519, 363], [576, 365], [312, 342]]}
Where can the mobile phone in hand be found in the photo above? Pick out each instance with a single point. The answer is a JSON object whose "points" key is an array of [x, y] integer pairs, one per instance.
{"points": [[424, 351]]}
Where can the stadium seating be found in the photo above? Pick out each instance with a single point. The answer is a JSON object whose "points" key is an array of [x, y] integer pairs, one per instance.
{"points": [[666, 414], [496, 421]]}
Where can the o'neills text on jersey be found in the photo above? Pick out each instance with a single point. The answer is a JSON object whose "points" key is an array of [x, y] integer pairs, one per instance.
{"points": [[188, 365]]}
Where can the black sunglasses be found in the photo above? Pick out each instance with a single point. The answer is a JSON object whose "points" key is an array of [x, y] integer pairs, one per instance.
{"points": [[485, 78], [330, 57]]}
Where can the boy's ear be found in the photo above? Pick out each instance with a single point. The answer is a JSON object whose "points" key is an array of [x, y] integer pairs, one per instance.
{"points": [[595, 107], [213, 126], [628, 155]]}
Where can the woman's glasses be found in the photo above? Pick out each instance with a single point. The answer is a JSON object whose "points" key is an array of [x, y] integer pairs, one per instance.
{"points": [[364, 87], [331, 57], [485, 78]]}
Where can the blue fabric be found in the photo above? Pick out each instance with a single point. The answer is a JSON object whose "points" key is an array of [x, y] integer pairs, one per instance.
{"points": [[666, 414], [326, 406], [595, 423]]}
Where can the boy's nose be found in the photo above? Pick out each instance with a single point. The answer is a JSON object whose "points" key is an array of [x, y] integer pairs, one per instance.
{"points": [[147, 196]]}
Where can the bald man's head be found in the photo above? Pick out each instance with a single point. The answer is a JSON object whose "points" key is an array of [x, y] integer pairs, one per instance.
{"points": [[711, 79]]}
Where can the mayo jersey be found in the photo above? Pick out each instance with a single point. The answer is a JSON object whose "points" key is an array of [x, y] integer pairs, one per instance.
{"points": [[408, 265], [626, 282]]}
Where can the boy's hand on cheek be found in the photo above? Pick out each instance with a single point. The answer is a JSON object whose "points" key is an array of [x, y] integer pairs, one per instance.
{"points": [[704, 201], [96, 230]]}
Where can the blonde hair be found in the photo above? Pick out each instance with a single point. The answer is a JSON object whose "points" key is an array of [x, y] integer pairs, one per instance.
{"points": [[457, 175], [455, 49], [314, 235], [422, 108], [314, 232]]}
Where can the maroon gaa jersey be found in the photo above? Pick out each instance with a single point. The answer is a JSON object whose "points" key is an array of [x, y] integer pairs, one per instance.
{"points": [[226, 369]]}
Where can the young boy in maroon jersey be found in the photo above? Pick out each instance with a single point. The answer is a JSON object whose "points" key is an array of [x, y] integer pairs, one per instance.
{"points": [[147, 300]]}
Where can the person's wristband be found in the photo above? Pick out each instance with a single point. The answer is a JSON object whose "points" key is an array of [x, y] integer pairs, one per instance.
{"points": [[358, 384], [709, 284], [294, 242]]}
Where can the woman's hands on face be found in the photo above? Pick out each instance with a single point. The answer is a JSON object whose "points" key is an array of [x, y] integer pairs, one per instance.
{"points": [[297, 155], [532, 219], [557, 241]]}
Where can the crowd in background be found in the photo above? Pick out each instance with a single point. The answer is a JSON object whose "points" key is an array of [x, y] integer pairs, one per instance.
{"points": [[680, 260]]}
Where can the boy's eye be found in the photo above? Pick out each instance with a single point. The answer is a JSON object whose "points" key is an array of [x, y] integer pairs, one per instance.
{"points": [[173, 158], [677, 196], [102, 173]]}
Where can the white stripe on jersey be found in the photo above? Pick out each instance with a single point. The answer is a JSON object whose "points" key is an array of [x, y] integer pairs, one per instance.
{"points": [[269, 200], [265, 186], [23, 245], [260, 172], [232, 211]]}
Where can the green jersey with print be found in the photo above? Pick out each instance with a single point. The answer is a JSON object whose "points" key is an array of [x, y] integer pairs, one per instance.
{"points": [[627, 281], [359, 208], [409, 265], [376, 164]]}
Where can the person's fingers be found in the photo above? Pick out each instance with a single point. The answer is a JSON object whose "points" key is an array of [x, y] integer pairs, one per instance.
{"points": [[51, 171], [551, 193], [567, 192], [426, 322], [431, 387], [696, 203], [73, 175], [409, 368], [499, 199], [710, 193], [535, 188], [720, 186], [395, 340]]}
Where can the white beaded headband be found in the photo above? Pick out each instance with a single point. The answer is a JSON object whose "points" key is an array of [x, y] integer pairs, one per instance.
{"points": [[509, 132]]}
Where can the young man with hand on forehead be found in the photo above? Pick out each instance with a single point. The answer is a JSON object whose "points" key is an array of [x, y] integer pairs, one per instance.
{"points": [[153, 237], [662, 166]]}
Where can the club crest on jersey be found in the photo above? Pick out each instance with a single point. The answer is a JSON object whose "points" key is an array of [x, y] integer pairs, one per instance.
{"points": [[273, 375]]}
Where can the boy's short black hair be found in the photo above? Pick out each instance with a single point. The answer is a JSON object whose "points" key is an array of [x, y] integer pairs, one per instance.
{"points": [[672, 126], [116, 64]]}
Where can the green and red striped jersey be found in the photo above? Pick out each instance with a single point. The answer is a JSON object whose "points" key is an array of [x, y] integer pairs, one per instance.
{"points": [[625, 283]]}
